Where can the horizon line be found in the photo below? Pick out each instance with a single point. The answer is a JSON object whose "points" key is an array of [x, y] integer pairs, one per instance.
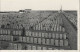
{"points": [[38, 10]]}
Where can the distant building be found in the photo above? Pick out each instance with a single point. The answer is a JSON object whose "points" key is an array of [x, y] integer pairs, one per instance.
{"points": [[25, 11]]}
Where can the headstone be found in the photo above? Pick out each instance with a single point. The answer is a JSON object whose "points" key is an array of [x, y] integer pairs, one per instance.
{"points": [[39, 34], [57, 28], [8, 37], [49, 35], [36, 34], [11, 38], [63, 29], [43, 41], [24, 47], [51, 29], [56, 43], [19, 32], [29, 33], [64, 36], [33, 47], [65, 42], [3, 37], [35, 40], [41, 26], [43, 34], [11, 46], [60, 28], [54, 28], [47, 41], [15, 46], [4, 31], [0, 37], [14, 33], [44, 48], [61, 36], [1, 31], [36, 27], [33, 34], [26, 33], [61, 42], [49, 48], [39, 48], [20, 38], [24, 39], [57, 36], [46, 35], [8, 31], [28, 40], [19, 46], [29, 47], [31, 39], [39, 40], [46, 29], [52, 42], [53, 35]]}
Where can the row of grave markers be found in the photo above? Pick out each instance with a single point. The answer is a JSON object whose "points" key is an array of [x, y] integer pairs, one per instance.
{"points": [[18, 46], [54, 25], [72, 18], [35, 40], [48, 28], [34, 34], [30, 47]]}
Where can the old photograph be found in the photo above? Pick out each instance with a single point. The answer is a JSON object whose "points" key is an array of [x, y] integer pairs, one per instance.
{"points": [[32, 26]]}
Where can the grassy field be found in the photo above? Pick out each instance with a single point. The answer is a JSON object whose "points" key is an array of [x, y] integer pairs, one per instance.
{"points": [[42, 30]]}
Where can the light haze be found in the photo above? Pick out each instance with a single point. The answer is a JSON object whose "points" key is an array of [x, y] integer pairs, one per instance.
{"points": [[15, 5]]}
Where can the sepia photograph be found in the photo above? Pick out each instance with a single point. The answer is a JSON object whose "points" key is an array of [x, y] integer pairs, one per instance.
{"points": [[39, 24]]}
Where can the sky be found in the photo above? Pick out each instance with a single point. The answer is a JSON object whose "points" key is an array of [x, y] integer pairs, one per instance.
{"points": [[15, 5]]}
